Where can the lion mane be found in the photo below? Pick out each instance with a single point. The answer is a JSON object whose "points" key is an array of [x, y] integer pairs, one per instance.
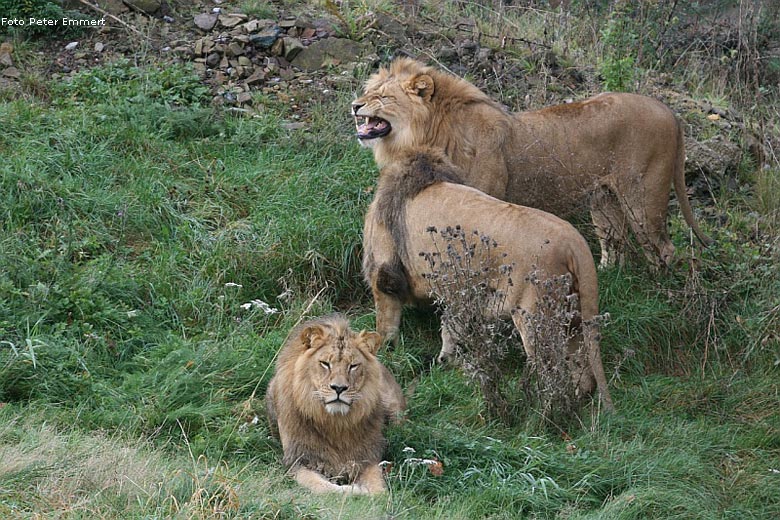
{"points": [[328, 402], [617, 153], [416, 194]]}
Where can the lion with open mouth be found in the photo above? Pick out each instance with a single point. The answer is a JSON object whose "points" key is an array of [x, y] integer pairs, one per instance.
{"points": [[619, 154]]}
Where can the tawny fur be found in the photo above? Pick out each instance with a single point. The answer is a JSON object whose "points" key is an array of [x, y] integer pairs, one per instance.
{"points": [[530, 238], [337, 450], [618, 153]]}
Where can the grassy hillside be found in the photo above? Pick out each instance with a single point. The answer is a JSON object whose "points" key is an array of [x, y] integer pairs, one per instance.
{"points": [[136, 221]]}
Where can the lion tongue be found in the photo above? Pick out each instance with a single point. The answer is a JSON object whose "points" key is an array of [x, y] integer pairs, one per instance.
{"points": [[372, 127]]}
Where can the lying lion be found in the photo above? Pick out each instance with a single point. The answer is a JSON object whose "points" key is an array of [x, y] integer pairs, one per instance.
{"points": [[419, 191], [328, 401], [619, 153]]}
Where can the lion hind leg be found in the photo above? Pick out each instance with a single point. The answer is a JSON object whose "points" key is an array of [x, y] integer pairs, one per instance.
{"points": [[610, 223], [448, 345], [388, 316]]}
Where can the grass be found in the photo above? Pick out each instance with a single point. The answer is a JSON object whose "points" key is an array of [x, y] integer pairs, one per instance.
{"points": [[135, 222]]}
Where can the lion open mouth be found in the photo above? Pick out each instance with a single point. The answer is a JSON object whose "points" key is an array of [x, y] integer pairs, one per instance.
{"points": [[371, 127]]}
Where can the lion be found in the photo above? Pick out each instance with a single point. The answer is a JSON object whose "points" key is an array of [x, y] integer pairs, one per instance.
{"points": [[618, 153], [420, 191], [328, 402]]}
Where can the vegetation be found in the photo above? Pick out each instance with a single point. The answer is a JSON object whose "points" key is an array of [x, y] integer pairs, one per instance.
{"points": [[155, 251]]}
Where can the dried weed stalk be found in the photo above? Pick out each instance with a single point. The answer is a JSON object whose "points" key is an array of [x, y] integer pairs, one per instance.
{"points": [[555, 330], [468, 280]]}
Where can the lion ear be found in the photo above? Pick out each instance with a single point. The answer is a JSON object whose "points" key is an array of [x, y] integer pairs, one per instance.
{"points": [[372, 340], [421, 85], [312, 333]]}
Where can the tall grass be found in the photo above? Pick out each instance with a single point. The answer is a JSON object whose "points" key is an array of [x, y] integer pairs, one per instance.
{"points": [[135, 223]]}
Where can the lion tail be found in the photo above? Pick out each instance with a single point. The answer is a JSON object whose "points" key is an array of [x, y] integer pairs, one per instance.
{"points": [[584, 271], [680, 190]]}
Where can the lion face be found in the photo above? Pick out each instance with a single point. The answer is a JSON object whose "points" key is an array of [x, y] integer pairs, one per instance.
{"points": [[396, 102], [340, 363]]}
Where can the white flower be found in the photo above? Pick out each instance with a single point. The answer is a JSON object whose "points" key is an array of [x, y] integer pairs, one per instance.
{"points": [[259, 304]]}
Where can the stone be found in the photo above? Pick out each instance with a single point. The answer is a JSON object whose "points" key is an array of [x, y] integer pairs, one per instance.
{"points": [[114, 7], [99, 47], [198, 48], [244, 98], [277, 49], [392, 28], [229, 20], [205, 21], [292, 46], [244, 61], [287, 23], [330, 51], [266, 38], [6, 49], [71, 46], [145, 6], [256, 78], [12, 72], [235, 49], [212, 60]]}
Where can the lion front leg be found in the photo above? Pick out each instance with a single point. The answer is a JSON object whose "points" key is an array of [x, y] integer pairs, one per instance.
{"points": [[317, 483], [371, 480]]}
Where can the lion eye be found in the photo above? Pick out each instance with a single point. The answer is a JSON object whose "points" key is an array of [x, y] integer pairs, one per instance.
{"points": [[354, 367], [325, 365]]}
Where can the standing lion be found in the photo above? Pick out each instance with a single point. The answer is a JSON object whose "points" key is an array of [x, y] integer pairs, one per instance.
{"points": [[422, 191], [328, 401], [619, 153]]}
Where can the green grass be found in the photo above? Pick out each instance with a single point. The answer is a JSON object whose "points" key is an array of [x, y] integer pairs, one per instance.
{"points": [[135, 222]]}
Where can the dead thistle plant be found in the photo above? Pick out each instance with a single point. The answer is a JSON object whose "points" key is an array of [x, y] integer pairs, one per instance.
{"points": [[468, 281]]}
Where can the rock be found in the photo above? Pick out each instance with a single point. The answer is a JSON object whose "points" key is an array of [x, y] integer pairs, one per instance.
{"points": [[244, 98], [6, 49], [330, 51], [212, 60], [293, 126], [265, 38], [230, 20], [99, 47], [244, 61], [393, 29], [717, 157], [277, 49], [114, 7], [12, 72], [292, 46], [256, 78], [145, 6], [205, 21], [235, 49], [71, 46], [287, 23], [198, 47]]}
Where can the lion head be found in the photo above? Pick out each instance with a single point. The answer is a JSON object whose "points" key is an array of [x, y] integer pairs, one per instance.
{"points": [[332, 370], [401, 108]]}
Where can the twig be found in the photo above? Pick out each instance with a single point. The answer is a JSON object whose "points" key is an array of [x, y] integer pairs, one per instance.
{"points": [[106, 13]]}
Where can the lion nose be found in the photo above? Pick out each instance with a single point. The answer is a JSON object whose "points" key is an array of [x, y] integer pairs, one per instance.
{"points": [[339, 388], [356, 107]]}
